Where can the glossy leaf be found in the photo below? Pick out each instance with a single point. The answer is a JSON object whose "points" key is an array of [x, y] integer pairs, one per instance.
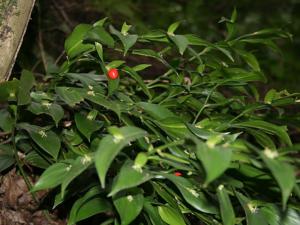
{"points": [[87, 126], [137, 175], [170, 215], [192, 195], [71, 96], [26, 83], [215, 160], [6, 121], [7, 158], [47, 140], [280, 131], [156, 111], [128, 40], [282, 172], [226, 208], [110, 146], [51, 109], [99, 34], [74, 43], [129, 206], [138, 79], [52, 176], [180, 41], [89, 205]]}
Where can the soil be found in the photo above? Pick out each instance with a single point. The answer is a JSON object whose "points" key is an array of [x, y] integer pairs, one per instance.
{"points": [[17, 206]]}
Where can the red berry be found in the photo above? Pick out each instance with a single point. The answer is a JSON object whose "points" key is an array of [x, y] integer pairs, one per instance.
{"points": [[178, 174], [113, 74]]}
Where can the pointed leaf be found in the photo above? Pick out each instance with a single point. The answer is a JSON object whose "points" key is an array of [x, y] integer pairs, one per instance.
{"points": [[110, 146], [52, 176], [129, 206], [227, 212], [215, 160], [283, 173], [87, 126], [74, 45], [26, 83], [170, 215], [137, 176], [89, 205]]}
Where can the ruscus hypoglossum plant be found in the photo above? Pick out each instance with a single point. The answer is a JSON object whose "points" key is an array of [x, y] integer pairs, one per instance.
{"points": [[156, 128]]}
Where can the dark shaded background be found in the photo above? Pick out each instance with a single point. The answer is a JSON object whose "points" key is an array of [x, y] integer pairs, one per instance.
{"points": [[53, 20]]}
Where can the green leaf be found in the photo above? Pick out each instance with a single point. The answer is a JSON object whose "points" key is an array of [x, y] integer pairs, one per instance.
{"points": [[26, 83], [135, 172], [99, 50], [125, 28], [115, 64], [87, 126], [6, 121], [227, 212], [141, 67], [113, 86], [253, 213], [250, 59], [102, 101], [128, 40], [89, 205], [173, 27], [129, 206], [100, 22], [9, 90], [283, 173], [74, 45], [99, 34], [156, 111], [52, 176], [215, 160], [170, 215], [45, 139], [153, 214], [138, 79], [180, 41], [280, 131], [70, 95], [110, 146], [270, 96], [34, 159], [51, 109], [192, 194], [7, 158], [76, 168]]}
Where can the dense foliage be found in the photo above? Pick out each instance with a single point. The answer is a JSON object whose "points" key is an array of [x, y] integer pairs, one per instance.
{"points": [[194, 143]]}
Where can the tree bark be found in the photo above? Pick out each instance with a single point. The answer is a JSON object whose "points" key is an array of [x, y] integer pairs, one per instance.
{"points": [[14, 18]]}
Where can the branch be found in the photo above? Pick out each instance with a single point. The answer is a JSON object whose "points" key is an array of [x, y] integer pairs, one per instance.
{"points": [[14, 18]]}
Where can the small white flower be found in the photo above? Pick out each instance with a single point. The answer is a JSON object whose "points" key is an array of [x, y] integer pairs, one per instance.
{"points": [[12, 94], [130, 198], [86, 159], [118, 138], [42, 133], [47, 104], [90, 87], [221, 186], [91, 93], [90, 117], [137, 168], [69, 168], [252, 207], [270, 153]]}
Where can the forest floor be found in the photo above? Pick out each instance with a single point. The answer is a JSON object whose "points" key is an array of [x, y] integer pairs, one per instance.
{"points": [[17, 206]]}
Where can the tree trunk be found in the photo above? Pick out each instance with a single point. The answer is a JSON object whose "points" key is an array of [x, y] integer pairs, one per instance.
{"points": [[14, 17]]}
